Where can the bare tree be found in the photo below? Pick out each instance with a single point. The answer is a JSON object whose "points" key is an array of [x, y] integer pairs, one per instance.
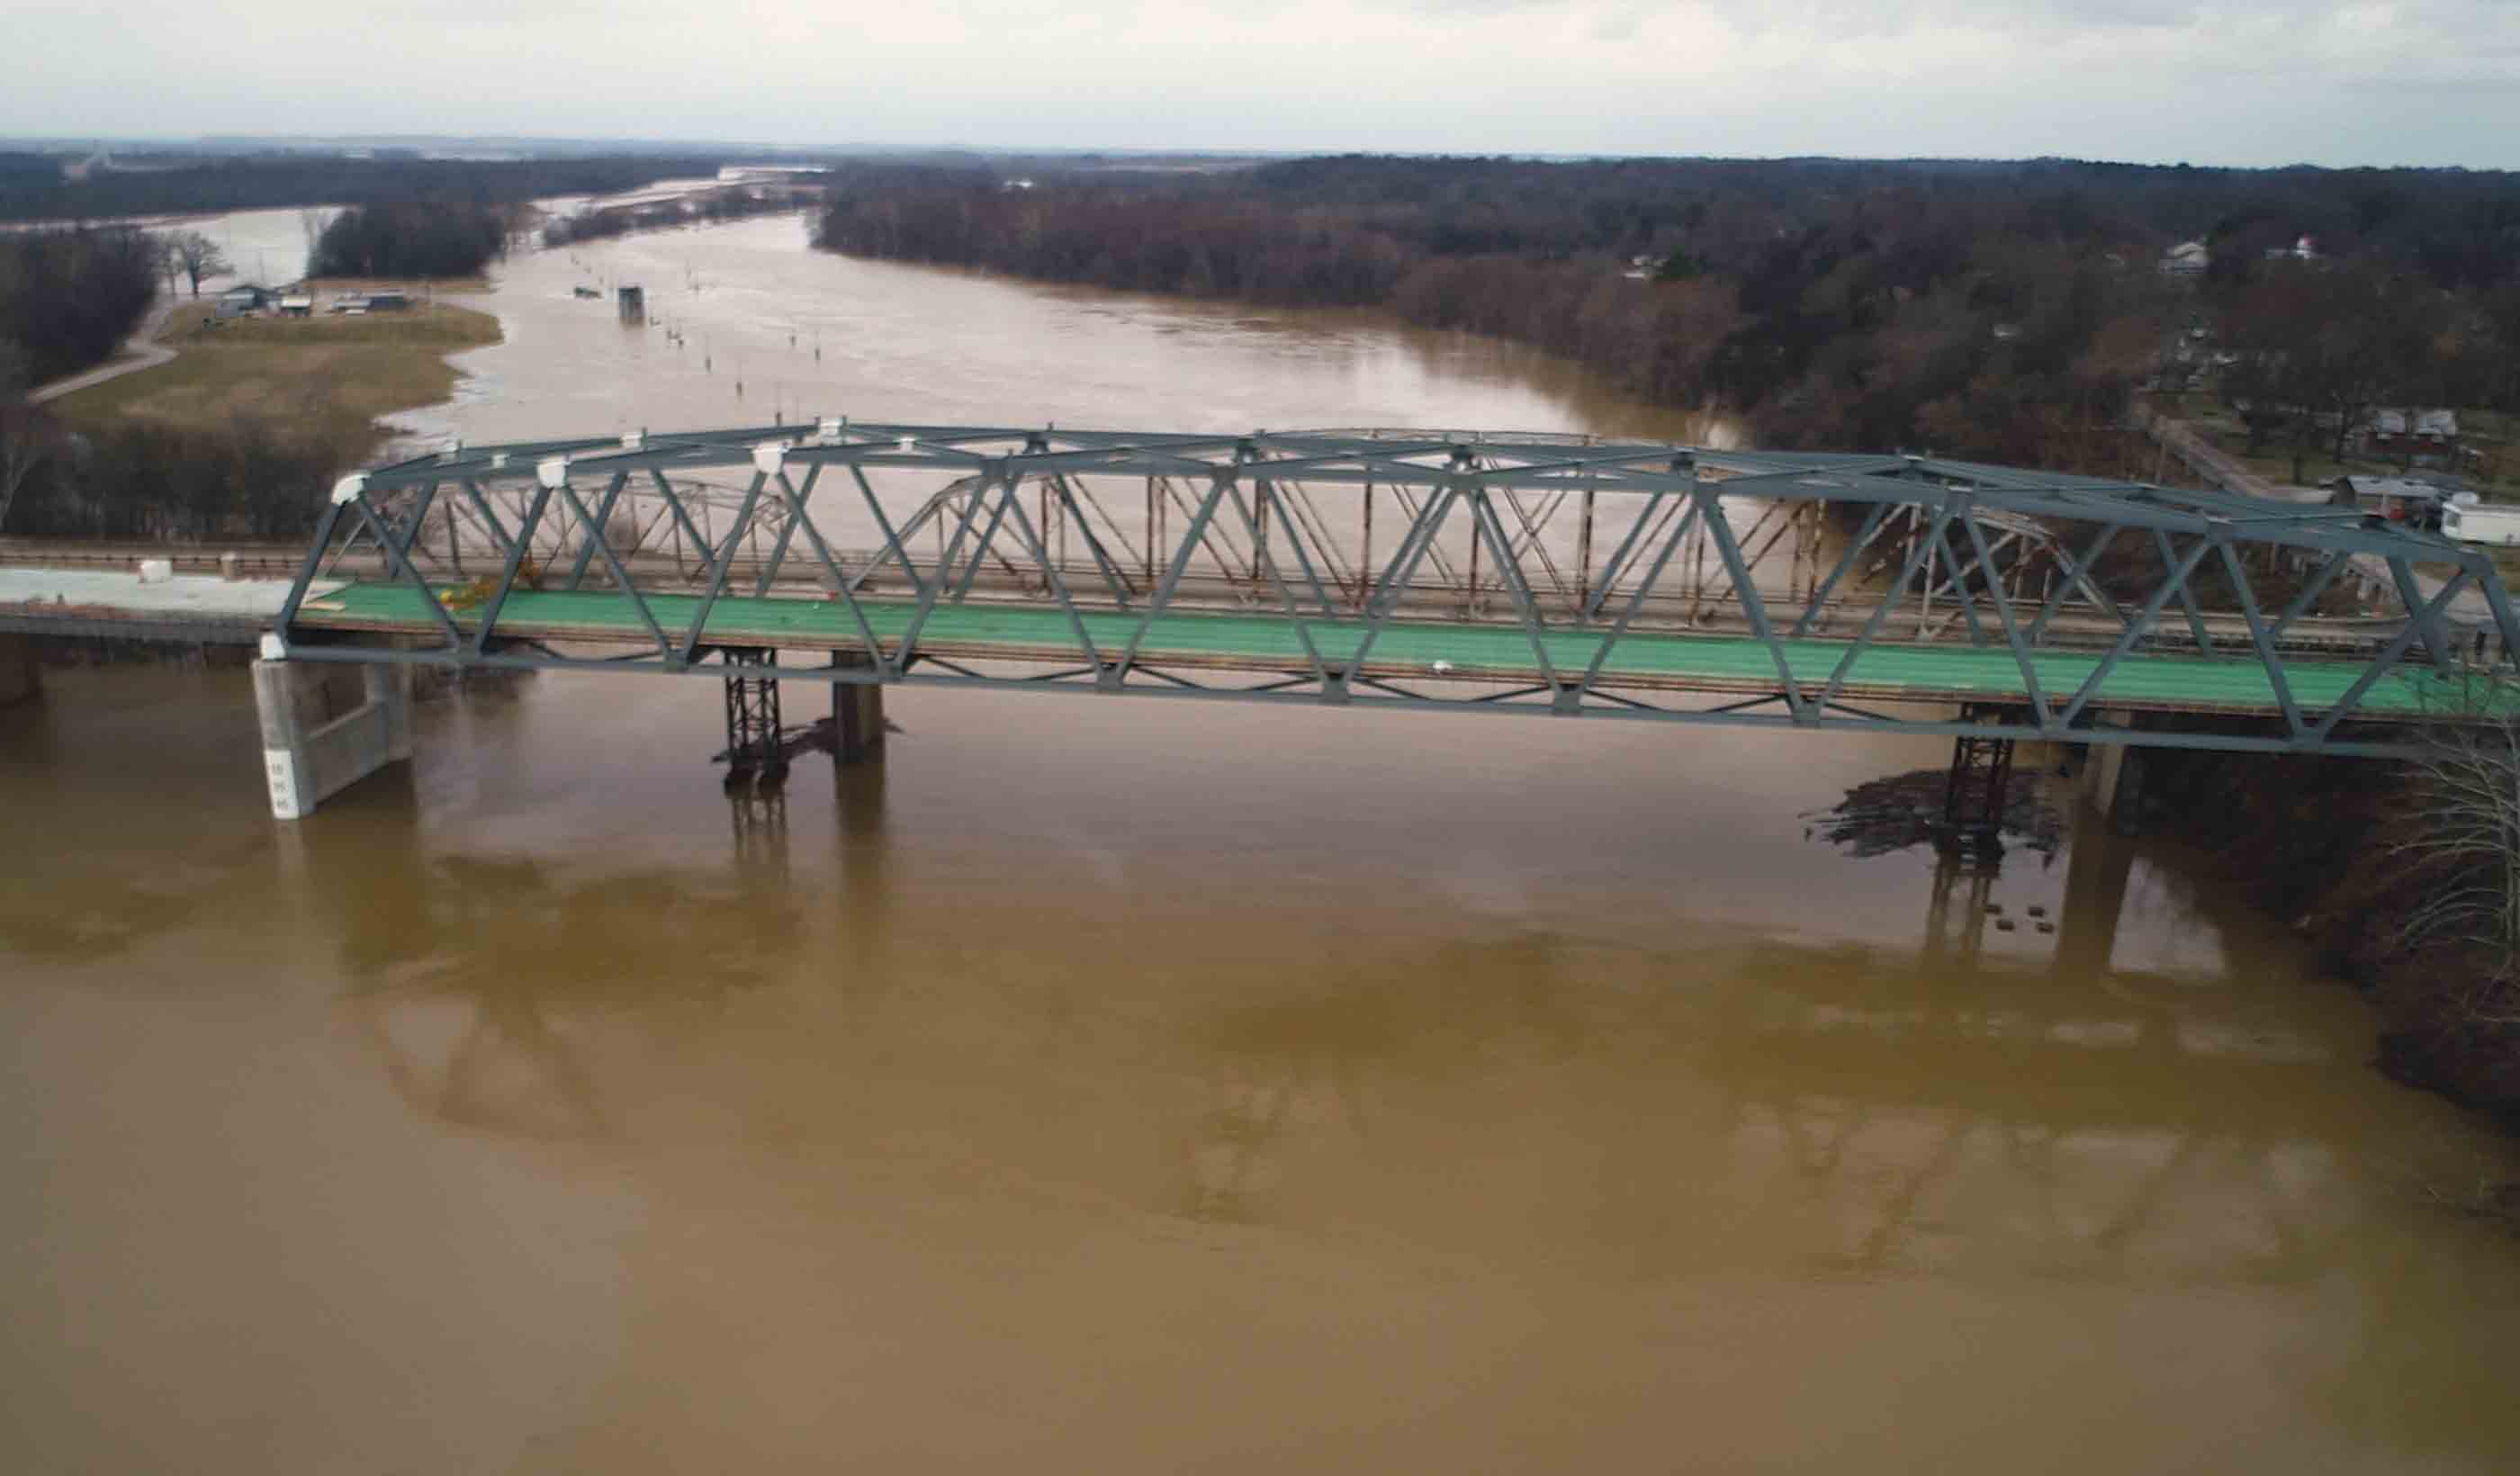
{"points": [[2459, 837], [311, 223], [199, 255]]}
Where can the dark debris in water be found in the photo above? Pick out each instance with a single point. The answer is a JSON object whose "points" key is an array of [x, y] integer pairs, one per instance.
{"points": [[1884, 814]]}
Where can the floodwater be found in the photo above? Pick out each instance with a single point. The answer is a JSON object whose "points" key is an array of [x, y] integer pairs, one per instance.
{"points": [[745, 325], [1107, 1086]]}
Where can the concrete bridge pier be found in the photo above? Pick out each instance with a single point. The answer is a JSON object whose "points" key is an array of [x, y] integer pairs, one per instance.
{"points": [[857, 715], [22, 676], [327, 725], [2112, 781]]}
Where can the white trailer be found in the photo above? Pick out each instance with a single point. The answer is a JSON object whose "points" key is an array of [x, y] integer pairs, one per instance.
{"points": [[2482, 523]]}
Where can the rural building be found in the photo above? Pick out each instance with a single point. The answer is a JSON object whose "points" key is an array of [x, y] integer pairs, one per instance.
{"points": [[2416, 437], [2188, 258]]}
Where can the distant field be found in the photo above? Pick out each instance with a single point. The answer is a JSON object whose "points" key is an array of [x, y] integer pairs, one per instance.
{"points": [[326, 377]]}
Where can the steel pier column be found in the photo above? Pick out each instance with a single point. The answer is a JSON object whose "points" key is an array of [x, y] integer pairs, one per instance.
{"points": [[756, 751], [1980, 783]]}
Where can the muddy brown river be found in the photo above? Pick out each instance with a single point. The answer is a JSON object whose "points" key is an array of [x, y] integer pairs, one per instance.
{"points": [[1114, 1087]]}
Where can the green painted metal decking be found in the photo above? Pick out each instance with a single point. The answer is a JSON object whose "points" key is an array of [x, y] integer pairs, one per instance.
{"points": [[1268, 643]]}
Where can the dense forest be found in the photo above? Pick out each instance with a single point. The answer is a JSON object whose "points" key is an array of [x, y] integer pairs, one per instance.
{"points": [[2000, 310], [67, 297], [432, 238], [35, 189]]}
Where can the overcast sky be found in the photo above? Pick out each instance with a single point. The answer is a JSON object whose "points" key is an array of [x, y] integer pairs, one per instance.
{"points": [[2253, 82]]}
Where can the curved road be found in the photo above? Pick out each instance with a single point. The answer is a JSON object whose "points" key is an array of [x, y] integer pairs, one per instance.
{"points": [[141, 352]]}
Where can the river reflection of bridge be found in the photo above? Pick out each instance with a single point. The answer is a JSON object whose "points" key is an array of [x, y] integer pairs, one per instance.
{"points": [[1876, 1111]]}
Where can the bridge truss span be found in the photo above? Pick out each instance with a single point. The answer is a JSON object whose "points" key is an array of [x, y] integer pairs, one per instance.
{"points": [[1437, 570]]}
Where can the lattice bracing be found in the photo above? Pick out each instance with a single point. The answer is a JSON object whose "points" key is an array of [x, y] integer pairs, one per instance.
{"points": [[1438, 569]]}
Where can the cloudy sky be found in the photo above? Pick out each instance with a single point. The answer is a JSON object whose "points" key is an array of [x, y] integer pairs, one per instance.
{"points": [[2252, 82]]}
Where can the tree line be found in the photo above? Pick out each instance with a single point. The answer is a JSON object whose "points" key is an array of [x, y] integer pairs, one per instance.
{"points": [[1999, 310], [140, 481], [37, 190], [426, 237]]}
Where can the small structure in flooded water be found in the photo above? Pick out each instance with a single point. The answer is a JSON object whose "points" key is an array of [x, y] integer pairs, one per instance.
{"points": [[634, 304]]}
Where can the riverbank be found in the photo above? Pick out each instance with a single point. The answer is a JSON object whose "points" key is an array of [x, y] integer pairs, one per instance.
{"points": [[327, 379], [2318, 844]]}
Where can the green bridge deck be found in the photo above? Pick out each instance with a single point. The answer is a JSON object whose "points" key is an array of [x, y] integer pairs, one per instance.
{"points": [[1268, 643]]}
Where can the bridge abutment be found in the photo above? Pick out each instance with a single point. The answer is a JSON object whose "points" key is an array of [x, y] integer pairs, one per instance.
{"points": [[327, 725], [22, 676]]}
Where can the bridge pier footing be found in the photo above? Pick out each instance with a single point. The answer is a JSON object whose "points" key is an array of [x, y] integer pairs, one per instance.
{"points": [[327, 725], [22, 676]]}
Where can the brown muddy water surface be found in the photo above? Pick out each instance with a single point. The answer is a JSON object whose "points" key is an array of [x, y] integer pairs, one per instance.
{"points": [[1106, 1085]]}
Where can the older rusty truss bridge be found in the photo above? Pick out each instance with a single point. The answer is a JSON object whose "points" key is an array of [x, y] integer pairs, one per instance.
{"points": [[1419, 570]]}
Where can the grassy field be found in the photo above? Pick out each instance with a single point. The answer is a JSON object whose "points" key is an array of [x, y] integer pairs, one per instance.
{"points": [[327, 377]]}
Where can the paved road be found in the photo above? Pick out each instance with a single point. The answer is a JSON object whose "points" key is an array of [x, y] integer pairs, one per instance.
{"points": [[2219, 467], [143, 347]]}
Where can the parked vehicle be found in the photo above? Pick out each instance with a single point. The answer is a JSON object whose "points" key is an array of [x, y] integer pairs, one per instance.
{"points": [[2482, 523]]}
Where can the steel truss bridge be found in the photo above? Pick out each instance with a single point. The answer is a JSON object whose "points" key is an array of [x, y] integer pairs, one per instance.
{"points": [[1411, 571]]}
